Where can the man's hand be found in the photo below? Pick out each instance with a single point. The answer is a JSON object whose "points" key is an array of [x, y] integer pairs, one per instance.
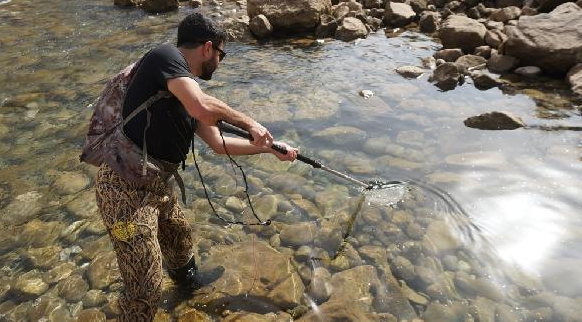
{"points": [[291, 152], [261, 136]]}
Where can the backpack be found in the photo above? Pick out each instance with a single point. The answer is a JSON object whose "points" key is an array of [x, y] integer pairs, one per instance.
{"points": [[106, 141]]}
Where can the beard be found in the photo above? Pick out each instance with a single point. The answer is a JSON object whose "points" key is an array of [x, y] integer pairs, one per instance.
{"points": [[208, 68]]}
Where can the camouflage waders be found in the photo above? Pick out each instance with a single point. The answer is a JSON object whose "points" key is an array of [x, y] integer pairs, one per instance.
{"points": [[144, 223]]}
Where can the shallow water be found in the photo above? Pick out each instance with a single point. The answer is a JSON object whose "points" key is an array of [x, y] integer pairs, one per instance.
{"points": [[497, 207]]}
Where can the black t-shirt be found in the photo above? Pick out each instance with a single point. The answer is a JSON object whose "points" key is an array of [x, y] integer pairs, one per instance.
{"points": [[171, 128]]}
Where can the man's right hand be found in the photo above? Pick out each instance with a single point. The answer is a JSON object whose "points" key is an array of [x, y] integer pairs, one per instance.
{"points": [[261, 136]]}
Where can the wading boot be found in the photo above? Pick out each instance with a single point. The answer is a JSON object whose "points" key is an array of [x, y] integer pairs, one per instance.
{"points": [[186, 276]]}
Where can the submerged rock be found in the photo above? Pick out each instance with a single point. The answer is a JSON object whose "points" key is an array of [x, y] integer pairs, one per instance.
{"points": [[495, 121], [484, 80], [30, 284], [22, 209], [342, 135], [550, 41], [410, 71], [528, 71], [439, 239], [298, 234], [446, 76], [279, 283]]}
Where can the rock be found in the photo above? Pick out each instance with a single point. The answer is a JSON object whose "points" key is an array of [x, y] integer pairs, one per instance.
{"points": [[91, 315], [428, 62], [195, 3], [278, 281], [436, 312], [417, 5], [410, 71], [320, 287], [353, 287], [72, 288], [549, 5], [398, 14], [336, 311], [528, 71], [366, 93], [462, 32], [483, 310], [574, 78], [298, 235], [290, 15], [94, 298], [429, 21], [413, 296], [448, 55], [494, 25], [373, 4], [484, 80], [157, 6], [439, 239], [403, 268], [351, 29], [494, 121], [342, 135], [21, 209], [505, 313], [44, 257], [260, 26], [554, 272], [495, 38], [549, 41], [103, 271], [470, 61], [237, 28], [446, 76], [501, 63], [126, 3], [327, 27], [30, 284], [483, 51], [505, 14]]}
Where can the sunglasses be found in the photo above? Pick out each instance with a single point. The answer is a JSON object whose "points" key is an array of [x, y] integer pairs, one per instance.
{"points": [[221, 53]]}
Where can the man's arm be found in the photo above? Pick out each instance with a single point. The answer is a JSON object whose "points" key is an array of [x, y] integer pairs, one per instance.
{"points": [[209, 110], [238, 146]]}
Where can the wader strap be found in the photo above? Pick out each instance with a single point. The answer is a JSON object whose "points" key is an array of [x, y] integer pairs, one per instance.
{"points": [[180, 183], [144, 169]]}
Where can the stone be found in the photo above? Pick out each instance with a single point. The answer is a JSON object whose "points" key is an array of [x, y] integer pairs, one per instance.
{"points": [[91, 315], [94, 298], [574, 78], [44, 257], [429, 21], [277, 283], [554, 272], [237, 28], [30, 284], [494, 121], [483, 310], [439, 239], [501, 63], [373, 4], [495, 38], [327, 26], [448, 55], [462, 32], [428, 62], [410, 71], [336, 311], [341, 135], [417, 5], [195, 3], [320, 287], [471, 61], [484, 80], [260, 26], [290, 15], [84, 206], [22, 209], [403, 268], [158, 6], [366, 93], [126, 3], [298, 235], [398, 14], [73, 288], [505, 14], [103, 271], [446, 76], [550, 41], [528, 71], [483, 51], [351, 29]]}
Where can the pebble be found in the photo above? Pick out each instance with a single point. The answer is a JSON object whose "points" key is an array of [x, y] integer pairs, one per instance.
{"points": [[366, 93]]}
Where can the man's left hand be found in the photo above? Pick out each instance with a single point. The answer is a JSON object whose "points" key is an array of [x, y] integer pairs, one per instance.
{"points": [[291, 152]]}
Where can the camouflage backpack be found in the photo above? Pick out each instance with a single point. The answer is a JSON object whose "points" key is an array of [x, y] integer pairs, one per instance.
{"points": [[106, 141]]}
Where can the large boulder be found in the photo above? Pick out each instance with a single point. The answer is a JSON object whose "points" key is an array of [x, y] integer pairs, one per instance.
{"points": [[398, 14], [446, 76], [505, 14], [550, 41], [260, 26], [462, 32], [290, 15], [574, 77]]}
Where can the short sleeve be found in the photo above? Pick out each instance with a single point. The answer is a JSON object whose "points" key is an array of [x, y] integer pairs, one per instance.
{"points": [[168, 63]]}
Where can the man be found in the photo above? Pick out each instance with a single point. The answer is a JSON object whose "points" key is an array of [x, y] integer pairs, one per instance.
{"points": [[146, 222]]}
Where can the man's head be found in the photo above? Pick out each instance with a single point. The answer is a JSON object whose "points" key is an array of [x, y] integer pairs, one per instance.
{"points": [[197, 31]]}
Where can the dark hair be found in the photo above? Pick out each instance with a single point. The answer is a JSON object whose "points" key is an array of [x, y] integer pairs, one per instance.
{"points": [[198, 29]]}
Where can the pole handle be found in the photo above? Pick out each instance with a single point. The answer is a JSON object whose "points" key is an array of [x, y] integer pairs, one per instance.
{"points": [[229, 128]]}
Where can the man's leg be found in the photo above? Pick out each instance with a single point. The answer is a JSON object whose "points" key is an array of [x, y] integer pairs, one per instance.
{"points": [[175, 237], [131, 217]]}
